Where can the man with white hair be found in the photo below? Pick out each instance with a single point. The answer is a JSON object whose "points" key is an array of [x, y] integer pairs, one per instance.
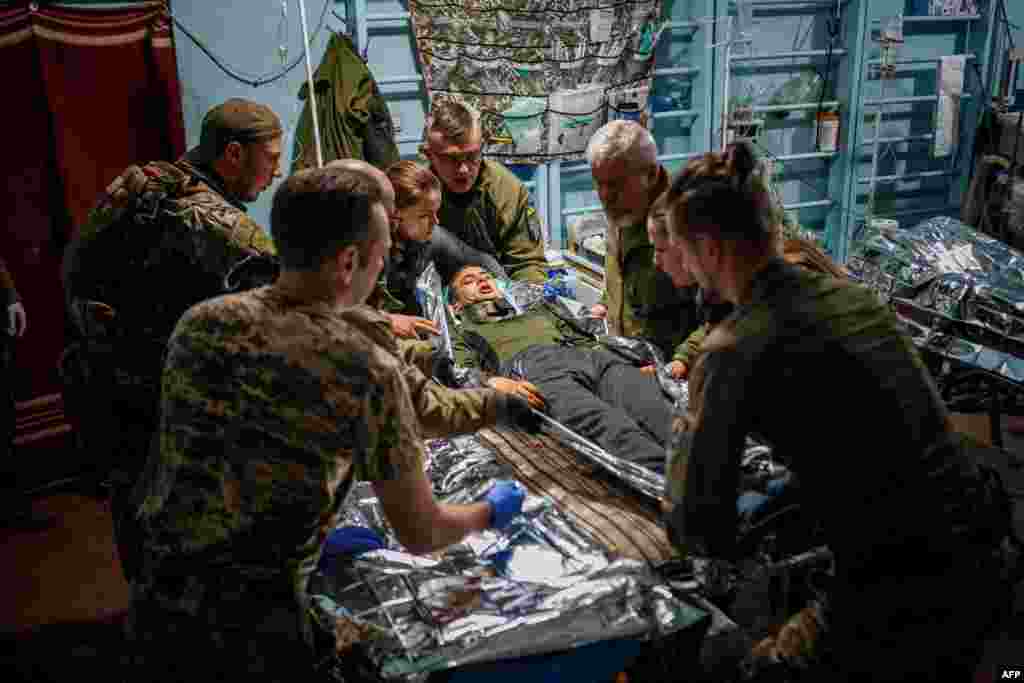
{"points": [[638, 300]]}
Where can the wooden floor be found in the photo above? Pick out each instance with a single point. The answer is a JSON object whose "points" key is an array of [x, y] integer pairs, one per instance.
{"points": [[67, 573]]}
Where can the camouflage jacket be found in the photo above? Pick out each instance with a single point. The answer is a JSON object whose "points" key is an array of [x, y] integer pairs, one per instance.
{"points": [[876, 454], [270, 408], [354, 119], [8, 294], [641, 300], [495, 217], [163, 237]]}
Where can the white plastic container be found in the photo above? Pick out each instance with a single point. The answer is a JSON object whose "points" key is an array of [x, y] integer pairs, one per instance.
{"points": [[828, 131]]}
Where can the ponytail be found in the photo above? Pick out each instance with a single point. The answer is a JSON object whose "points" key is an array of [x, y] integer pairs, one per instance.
{"points": [[724, 195]]}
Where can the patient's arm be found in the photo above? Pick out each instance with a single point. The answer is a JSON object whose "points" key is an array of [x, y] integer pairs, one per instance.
{"points": [[520, 388]]}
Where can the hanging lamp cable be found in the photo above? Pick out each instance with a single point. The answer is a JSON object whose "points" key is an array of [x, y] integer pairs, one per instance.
{"points": [[235, 73]]}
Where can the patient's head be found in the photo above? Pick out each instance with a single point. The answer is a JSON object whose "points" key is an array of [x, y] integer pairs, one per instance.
{"points": [[473, 284]]}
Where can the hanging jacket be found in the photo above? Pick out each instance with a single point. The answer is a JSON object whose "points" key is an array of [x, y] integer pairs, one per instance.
{"points": [[354, 119]]}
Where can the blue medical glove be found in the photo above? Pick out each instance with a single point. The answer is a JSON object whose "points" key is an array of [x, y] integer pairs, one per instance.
{"points": [[749, 504], [506, 501], [348, 540]]}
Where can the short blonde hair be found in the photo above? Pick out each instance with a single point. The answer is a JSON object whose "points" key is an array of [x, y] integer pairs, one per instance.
{"points": [[625, 140], [454, 120]]}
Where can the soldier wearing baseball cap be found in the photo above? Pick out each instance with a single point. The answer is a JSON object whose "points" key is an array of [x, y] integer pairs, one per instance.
{"points": [[163, 237], [236, 120], [240, 142]]}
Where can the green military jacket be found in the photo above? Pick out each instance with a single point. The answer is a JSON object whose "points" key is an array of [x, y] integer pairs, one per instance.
{"points": [[505, 332], [8, 294], [495, 217], [641, 300], [824, 372], [354, 119]]}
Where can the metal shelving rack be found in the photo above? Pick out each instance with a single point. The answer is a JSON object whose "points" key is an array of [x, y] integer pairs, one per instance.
{"points": [[974, 42], [797, 59]]}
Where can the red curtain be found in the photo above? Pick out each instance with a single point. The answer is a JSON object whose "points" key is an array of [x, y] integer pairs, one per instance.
{"points": [[89, 92]]}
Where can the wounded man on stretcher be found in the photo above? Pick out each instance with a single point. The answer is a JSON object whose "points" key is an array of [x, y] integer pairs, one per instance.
{"points": [[596, 390]]}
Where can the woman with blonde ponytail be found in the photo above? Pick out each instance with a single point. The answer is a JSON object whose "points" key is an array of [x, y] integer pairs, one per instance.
{"points": [[817, 367]]}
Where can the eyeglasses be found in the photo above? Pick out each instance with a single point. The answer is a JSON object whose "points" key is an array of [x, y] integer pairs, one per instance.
{"points": [[457, 159]]}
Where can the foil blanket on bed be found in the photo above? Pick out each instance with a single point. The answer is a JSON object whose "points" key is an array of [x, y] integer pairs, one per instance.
{"points": [[961, 292], [546, 583]]}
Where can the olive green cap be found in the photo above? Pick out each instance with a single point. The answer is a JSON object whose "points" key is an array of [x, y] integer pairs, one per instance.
{"points": [[234, 120]]}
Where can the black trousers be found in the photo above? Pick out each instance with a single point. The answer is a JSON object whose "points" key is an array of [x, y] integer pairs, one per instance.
{"points": [[603, 398]]}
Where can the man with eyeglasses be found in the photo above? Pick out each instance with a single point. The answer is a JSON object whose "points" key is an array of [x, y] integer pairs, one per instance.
{"points": [[482, 202]]}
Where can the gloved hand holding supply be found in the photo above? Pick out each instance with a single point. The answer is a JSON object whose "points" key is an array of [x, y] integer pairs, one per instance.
{"points": [[514, 411], [506, 501], [348, 540]]}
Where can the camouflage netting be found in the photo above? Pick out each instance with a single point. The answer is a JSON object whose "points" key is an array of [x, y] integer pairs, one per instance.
{"points": [[545, 74]]}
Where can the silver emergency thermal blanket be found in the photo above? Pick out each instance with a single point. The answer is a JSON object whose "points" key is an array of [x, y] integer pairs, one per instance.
{"points": [[541, 585], [961, 292]]}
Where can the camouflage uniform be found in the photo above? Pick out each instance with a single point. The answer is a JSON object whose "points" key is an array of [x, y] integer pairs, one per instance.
{"points": [[163, 237], [495, 217], [641, 300], [904, 510], [270, 408]]}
